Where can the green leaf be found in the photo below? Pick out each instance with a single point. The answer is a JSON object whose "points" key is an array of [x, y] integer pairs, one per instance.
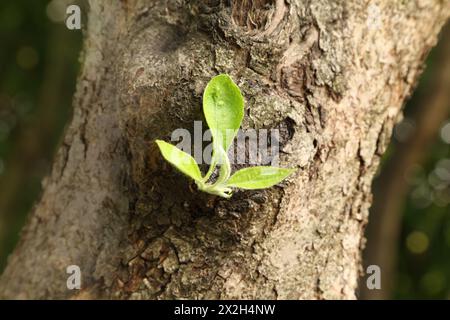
{"points": [[180, 160], [223, 106], [258, 177]]}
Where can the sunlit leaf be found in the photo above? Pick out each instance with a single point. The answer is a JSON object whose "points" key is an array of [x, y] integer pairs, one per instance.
{"points": [[180, 160], [258, 177], [223, 106]]}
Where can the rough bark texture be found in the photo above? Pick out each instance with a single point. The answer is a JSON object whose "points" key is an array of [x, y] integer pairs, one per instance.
{"points": [[317, 70]]}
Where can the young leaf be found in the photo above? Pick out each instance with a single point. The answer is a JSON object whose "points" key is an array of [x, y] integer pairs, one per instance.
{"points": [[180, 160], [258, 177], [223, 106]]}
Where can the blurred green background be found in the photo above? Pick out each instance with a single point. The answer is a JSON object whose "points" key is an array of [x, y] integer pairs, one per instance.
{"points": [[39, 63], [38, 69]]}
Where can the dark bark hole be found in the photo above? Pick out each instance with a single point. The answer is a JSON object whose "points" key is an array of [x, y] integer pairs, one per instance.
{"points": [[287, 130]]}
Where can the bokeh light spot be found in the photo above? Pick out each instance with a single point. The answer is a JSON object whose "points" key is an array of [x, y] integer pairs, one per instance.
{"points": [[433, 282], [443, 169], [422, 196], [445, 133], [404, 129], [56, 10], [417, 242]]}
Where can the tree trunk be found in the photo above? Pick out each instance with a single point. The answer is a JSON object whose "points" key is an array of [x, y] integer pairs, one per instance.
{"points": [[331, 75]]}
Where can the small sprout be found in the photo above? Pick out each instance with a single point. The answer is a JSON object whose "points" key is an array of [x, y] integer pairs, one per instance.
{"points": [[223, 106]]}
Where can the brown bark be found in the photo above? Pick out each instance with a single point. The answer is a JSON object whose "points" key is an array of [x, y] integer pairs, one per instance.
{"points": [[316, 70]]}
